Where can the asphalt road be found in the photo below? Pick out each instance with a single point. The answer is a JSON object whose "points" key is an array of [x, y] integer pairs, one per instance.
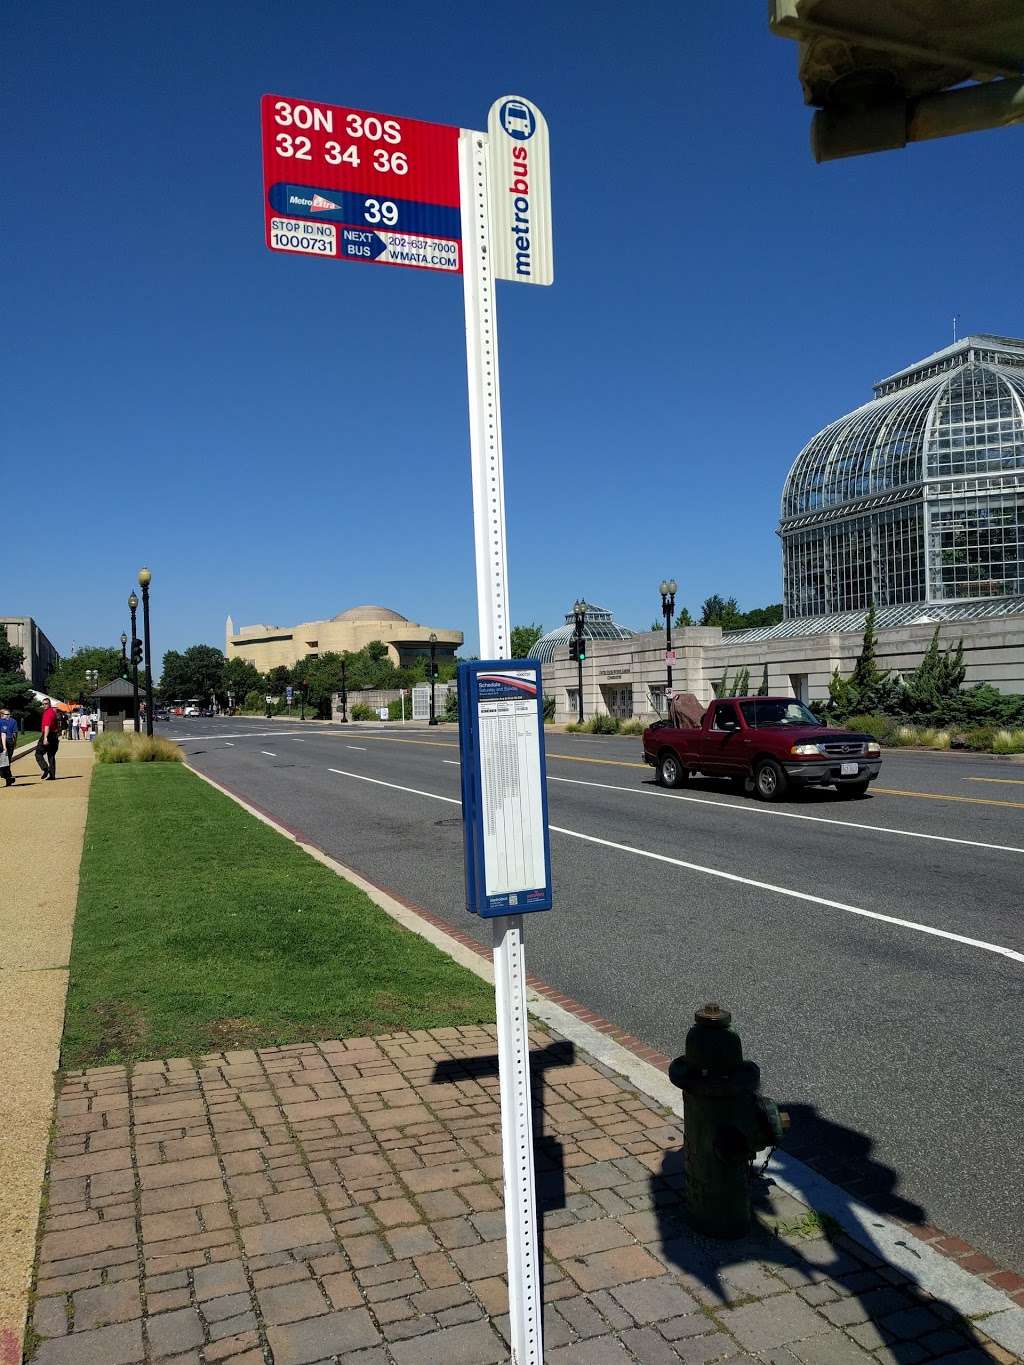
{"points": [[872, 951]]}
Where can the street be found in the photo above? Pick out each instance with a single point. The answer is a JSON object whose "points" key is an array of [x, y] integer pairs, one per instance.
{"points": [[871, 951]]}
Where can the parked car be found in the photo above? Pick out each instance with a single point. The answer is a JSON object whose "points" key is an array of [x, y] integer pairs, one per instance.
{"points": [[191, 711], [768, 743]]}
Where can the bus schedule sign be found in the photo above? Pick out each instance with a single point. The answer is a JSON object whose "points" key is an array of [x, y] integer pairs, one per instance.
{"points": [[352, 185]]}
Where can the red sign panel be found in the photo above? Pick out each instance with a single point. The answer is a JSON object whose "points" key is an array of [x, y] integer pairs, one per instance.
{"points": [[353, 185]]}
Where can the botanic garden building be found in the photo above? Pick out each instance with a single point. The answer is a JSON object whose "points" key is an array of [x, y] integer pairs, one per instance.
{"points": [[918, 496], [913, 503]]}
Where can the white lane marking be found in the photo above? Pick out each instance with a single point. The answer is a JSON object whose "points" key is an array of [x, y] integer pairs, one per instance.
{"points": [[268, 753], [729, 876], [786, 814], [298, 741], [453, 762], [415, 791], [229, 744], [360, 747], [244, 734], [1001, 781]]}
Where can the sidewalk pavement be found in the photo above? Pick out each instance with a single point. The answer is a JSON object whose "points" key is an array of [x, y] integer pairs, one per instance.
{"points": [[341, 1202], [42, 826]]}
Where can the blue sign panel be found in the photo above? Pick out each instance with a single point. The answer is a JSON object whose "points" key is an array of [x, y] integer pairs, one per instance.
{"points": [[504, 787], [374, 211]]}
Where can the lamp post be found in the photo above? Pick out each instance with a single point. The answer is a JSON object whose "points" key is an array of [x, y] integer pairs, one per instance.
{"points": [[579, 613], [433, 675], [668, 606], [133, 603], [145, 578], [344, 694], [124, 654]]}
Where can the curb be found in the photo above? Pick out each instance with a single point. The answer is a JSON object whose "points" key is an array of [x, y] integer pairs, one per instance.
{"points": [[945, 1267]]}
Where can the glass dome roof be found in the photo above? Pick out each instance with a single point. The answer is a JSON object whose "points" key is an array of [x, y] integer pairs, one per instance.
{"points": [[598, 626], [918, 496]]}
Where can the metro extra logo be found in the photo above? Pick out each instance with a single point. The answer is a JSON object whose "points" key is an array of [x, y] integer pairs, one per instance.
{"points": [[316, 204]]}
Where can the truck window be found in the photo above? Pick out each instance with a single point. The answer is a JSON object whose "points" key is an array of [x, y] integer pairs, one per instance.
{"points": [[776, 711], [725, 717]]}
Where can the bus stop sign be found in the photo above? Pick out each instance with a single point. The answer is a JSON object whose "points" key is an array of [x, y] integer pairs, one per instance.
{"points": [[350, 185]]}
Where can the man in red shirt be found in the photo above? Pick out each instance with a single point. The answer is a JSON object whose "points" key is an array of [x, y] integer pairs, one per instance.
{"points": [[46, 749]]}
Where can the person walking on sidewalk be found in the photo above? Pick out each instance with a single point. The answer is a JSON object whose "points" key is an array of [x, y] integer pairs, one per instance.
{"points": [[8, 743], [76, 718], [46, 749]]}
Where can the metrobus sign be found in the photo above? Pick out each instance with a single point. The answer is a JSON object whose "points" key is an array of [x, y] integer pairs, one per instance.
{"points": [[348, 184]]}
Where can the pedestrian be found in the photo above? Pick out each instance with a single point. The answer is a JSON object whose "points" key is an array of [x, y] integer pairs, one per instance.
{"points": [[49, 740], [76, 720], [83, 725], [8, 742]]}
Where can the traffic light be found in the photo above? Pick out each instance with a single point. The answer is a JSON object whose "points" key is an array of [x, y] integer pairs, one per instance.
{"points": [[136, 651], [577, 649]]}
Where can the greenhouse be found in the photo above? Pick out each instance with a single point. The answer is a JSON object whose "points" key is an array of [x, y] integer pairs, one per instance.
{"points": [[598, 625], [918, 496]]}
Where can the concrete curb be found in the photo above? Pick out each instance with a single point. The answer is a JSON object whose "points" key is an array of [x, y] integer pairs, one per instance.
{"points": [[932, 1271]]}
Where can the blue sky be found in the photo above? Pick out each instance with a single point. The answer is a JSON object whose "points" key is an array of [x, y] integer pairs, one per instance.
{"points": [[281, 438]]}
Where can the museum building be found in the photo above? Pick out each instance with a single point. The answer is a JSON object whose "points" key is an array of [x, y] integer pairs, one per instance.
{"points": [[913, 502], [269, 647]]}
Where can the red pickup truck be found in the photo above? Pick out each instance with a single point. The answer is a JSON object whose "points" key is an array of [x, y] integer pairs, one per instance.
{"points": [[771, 743]]}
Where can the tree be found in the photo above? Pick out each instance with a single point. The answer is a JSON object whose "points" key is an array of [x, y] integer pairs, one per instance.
{"points": [[67, 682], [937, 679], [684, 618], [763, 616], [240, 677], [195, 672], [718, 611], [741, 683], [15, 693], [762, 691], [322, 676], [524, 638]]}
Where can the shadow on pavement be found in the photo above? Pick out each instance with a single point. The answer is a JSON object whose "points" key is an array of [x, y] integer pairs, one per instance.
{"points": [[849, 1283]]}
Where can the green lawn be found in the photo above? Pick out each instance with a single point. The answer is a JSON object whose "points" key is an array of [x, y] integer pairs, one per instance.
{"points": [[26, 737], [199, 929]]}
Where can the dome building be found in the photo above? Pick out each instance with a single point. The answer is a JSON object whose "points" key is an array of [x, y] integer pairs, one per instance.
{"points": [[918, 496], [598, 625], [272, 646]]}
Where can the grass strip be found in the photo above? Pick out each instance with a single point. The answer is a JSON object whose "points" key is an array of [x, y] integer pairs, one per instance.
{"points": [[200, 929]]}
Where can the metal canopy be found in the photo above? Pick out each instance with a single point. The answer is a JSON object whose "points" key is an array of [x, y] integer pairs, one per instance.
{"points": [[882, 72]]}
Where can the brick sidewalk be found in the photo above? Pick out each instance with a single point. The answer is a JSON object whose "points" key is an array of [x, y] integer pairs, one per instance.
{"points": [[341, 1202]]}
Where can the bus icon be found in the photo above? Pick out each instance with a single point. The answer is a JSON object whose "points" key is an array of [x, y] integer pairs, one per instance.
{"points": [[517, 120]]}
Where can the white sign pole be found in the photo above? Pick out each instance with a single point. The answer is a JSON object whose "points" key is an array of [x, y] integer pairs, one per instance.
{"points": [[493, 618]]}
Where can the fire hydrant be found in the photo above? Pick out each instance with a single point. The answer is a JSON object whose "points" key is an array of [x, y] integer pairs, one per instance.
{"points": [[725, 1123]]}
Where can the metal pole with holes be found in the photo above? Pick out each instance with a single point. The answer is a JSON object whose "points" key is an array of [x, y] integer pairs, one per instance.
{"points": [[493, 617]]}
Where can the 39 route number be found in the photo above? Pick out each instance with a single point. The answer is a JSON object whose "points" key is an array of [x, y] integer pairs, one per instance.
{"points": [[380, 211]]}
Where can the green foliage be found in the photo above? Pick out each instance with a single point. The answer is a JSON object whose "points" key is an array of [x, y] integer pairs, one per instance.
{"points": [[1005, 742], [549, 708], [762, 691], [632, 727], [722, 686], [15, 693], [684, 618], [602, 725], [362, 712], [239, 677], [67, 682], [255, 702], [395, 708], [720, 611], [195, 672], [741, 683], [937, 679], [524, 638], [451, 705], [321, 675]]}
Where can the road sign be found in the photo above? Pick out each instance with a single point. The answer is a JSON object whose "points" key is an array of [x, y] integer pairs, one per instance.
{"points": [[520, 192], [347, 184], [670, 656], [504, 792], [288, 694]]}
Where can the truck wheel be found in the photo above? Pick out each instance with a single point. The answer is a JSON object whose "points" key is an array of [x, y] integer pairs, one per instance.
{"points": [[671, 772], [769, 780], [853, 789]]}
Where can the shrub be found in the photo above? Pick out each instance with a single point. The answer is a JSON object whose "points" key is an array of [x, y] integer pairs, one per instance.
{"points": [[549, 708], [115, 748], [1008, 742], [362, 712], [602, 725], [878, 727], [632, 727], [979, 737], [931, 738], [395, 708], [573, 727]]}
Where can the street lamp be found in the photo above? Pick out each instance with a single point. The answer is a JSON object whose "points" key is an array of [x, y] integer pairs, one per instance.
{"points": [[668, 605], [133, 604], [433, 675], [344, 694], [579, 613], [124, 654], [145, 578]]}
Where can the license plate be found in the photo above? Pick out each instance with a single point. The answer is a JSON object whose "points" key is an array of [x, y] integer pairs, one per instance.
{"points": [[849, 769]]}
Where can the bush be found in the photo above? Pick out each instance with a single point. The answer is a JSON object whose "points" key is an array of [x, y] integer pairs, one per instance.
{"points": [[1008, 742], [395, 708], [451, 705], [878, 727], [602, 725], [115, 748], [362, 712], [632, 727], [980, 737], [549, 708]]}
